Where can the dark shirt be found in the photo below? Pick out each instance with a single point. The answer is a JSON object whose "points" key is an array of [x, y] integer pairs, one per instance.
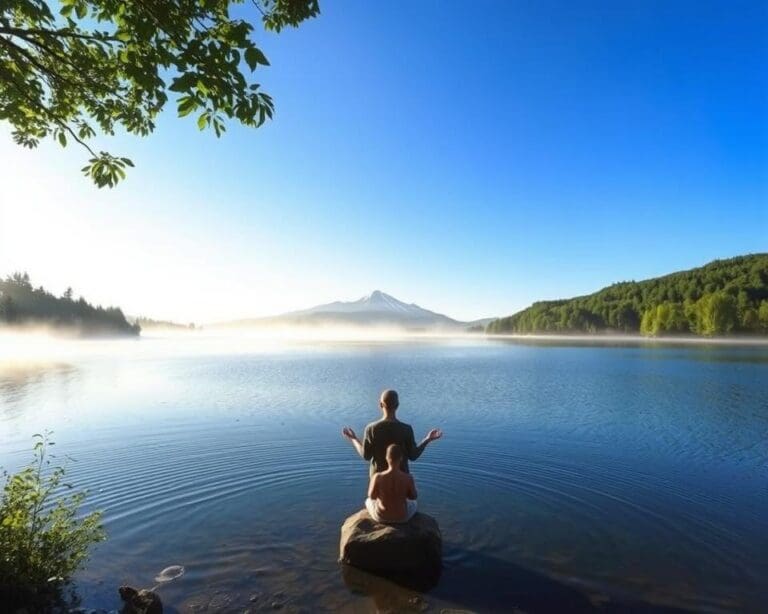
{"points": [[380, 435]]}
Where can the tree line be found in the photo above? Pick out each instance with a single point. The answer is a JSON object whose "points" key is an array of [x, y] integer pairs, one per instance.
{"points": [[146, 323], [723, 297], [22, 304]]}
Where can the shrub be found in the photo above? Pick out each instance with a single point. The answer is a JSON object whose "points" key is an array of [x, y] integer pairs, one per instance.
{"points": [[43, 541]]}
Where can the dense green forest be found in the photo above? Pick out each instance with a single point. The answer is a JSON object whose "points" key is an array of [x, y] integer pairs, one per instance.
{"points": [[21, 304], [721, 298]]}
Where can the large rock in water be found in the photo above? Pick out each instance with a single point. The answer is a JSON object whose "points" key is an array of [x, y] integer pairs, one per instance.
{"points": [[415, 546]]}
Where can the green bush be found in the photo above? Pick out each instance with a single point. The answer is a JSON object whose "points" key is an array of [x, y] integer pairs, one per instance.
{"points": [[43, 541]]}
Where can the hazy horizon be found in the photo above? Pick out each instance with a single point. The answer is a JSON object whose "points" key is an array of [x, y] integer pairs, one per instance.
{"points": [[259, 314]]}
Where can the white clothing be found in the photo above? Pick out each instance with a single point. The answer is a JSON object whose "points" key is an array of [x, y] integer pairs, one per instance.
{"points": [[372, 505]]}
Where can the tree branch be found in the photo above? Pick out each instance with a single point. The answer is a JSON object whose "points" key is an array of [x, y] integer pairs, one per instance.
{"points": [[55, 118], [94, 85], [23, 32]]}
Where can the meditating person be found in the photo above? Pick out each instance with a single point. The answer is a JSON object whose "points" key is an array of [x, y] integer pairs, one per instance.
{"points": [[392, 492], [381, 434]]}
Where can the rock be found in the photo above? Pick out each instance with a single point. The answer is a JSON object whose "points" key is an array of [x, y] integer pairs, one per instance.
{"points": [[412, 547], [195, 603], [220, 600], [418, 603], [140, 601]]}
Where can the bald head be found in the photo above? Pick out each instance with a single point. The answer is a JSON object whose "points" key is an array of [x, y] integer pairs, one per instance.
{"points": [[394, 455], [389, 401]]}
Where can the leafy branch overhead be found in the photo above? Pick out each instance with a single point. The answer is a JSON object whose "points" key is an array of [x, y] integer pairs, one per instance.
{"points": [[73, 68]]}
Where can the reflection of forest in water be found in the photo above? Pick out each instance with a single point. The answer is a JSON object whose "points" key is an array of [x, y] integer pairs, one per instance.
{"points": [[18, 380]]}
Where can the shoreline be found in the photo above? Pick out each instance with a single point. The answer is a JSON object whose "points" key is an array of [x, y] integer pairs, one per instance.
{"points": [[40, 343], [587, 339]]}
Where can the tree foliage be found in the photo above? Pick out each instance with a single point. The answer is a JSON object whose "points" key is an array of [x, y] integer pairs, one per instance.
{"points": [[722, 297], [147, 323], [21, 304], [71, 68], [43, 539]]}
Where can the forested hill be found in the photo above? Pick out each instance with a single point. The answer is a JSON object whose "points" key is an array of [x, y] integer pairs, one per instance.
{"points": [[723, 297], [21, 304]]}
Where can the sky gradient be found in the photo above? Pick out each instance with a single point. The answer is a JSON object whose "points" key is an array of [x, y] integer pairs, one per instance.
{"points": [[469, 157]]}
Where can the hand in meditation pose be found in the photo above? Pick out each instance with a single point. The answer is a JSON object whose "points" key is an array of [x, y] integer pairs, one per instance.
{"points": [[381, 434]]}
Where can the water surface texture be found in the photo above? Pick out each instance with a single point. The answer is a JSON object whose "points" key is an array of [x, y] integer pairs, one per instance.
{"points": [[570, 478]]}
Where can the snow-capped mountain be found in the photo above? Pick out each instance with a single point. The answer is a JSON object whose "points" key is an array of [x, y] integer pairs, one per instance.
{"points": [[376, 301], [376, 309]]}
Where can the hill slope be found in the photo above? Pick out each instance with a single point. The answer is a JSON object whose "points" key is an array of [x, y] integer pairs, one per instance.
{"points": [[722, 297]]}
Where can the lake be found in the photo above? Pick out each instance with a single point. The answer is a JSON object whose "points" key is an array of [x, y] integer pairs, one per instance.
{"points": [[623, 477]]}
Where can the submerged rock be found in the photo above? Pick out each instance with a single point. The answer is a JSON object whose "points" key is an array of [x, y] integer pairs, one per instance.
{"points": [[221, 600], [413, 547], [140, 601]]}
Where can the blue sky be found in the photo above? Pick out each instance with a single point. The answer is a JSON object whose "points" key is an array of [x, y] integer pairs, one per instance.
{"points": [[470, 157]]}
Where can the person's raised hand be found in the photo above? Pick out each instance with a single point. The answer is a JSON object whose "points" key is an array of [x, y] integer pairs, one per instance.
{"points": [[348, 433], [434, 434]]}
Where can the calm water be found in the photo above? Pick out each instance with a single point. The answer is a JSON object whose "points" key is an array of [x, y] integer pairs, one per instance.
{"points": [[569, 478]]}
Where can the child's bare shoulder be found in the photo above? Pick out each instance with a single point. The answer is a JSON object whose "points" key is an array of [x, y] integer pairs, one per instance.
{"points": [[404, 477]]}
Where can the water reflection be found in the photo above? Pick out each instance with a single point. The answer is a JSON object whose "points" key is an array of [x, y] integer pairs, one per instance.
{"points": [[497, 583], [473, 581], [389, 594], [570, 478], [19, 379]]}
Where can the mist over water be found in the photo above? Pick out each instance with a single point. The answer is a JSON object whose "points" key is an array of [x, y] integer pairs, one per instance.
{"points": [[569, 475]]}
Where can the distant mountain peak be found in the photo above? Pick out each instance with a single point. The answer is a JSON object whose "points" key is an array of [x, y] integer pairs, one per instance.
{"points": [[376, 308], [381, 301], [376, 295]]}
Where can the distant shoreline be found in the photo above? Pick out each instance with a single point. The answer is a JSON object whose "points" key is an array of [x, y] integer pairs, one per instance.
{"points": [[587, 339]]}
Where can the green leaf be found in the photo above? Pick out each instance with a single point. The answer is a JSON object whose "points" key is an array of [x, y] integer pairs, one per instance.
{"points": [[187, 104], [254, 57], [183, 83]]}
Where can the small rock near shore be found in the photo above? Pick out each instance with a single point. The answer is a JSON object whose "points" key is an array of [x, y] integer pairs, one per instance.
{"points": [[140, 601]]}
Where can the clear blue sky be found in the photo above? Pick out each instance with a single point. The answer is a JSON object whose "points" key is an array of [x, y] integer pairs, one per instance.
{"points": [[469, 156]]}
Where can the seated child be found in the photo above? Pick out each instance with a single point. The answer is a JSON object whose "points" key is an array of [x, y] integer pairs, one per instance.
{"points": [[392, 492]]}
